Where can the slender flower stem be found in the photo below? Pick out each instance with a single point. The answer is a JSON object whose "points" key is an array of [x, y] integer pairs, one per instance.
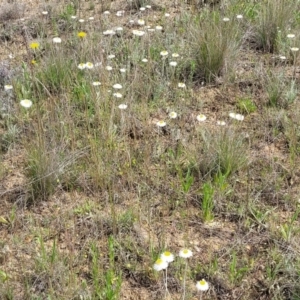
{"points": [[184, 280]]}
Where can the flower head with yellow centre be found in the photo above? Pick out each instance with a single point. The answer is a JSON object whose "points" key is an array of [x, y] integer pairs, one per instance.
{"points": [[160, 264], [167, 256], [201, 118], [185, 253], [173, 115], [202, 285], [164, 53], [26, 103], [161, 123]]}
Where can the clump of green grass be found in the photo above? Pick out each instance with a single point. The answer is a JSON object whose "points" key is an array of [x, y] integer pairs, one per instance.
{"points": [[214, 43], [246, 105], [273, 18], [224, 152]]}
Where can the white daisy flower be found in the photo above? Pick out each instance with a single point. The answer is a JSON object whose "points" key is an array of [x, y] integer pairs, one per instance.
{"points": [[160, 265], [117, 95], [109, 32], [201, 118], [221, 123], [117, 86], [122, 106], [26, 103], [81, 66], [185, 253], [173, 115], [202, 285], [89, 65], [167, 256], [56, 40], [164, 53], [181, 85], [138, 32], [8, 87], [161, 123]]}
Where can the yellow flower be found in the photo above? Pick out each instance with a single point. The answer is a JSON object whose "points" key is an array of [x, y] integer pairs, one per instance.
{"points": [[33, 62], [81, 34], [34, 45]]}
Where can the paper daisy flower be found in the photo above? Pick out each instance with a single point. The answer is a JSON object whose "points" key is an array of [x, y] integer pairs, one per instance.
{"points": [[120, 13], [201, 118], [106, 12], [81, 66], [109, 32], [91, 18], [161, 123], [221, 123], [294, 49], [167, 256], [202, 285], [164, 53], [290, 36], [138, 32], [173, 115], [144, 60], [122, 70], [96, 83], [81, 34], [34, 45], [226, 19], [173, 63], [8, 87], [108, 68], [89, 65], [141, 22], [111, 56], [117, 86], [239, 117], [117, 95], [185, 253], [122, 106], [26, 103], [181, 85], [56, 40], [142, 8], [160, 264], [167, 15], [81, 20], [44, 13], [159, 28], [175, 55], [148, 6], [239, 16]]}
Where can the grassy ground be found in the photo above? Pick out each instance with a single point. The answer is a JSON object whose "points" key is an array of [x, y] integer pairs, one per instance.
{"points": [[149, 128]]}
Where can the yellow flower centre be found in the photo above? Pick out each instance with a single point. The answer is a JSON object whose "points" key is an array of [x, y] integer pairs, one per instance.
{"points": [[159, 261], [202, 282], [167, 253]]}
